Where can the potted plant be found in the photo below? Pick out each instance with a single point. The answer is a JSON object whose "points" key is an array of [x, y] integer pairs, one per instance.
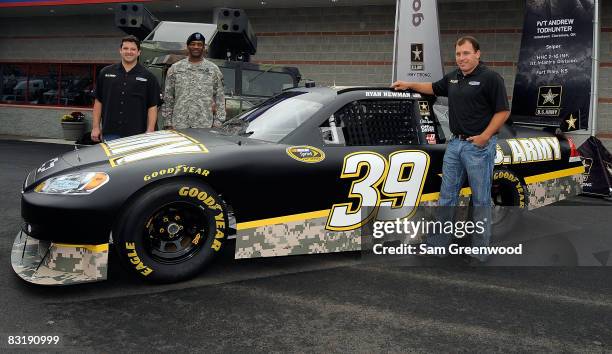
{"points": [[73, 125]]}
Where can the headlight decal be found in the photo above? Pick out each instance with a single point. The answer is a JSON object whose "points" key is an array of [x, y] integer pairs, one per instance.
{"points": [[81, 183]]}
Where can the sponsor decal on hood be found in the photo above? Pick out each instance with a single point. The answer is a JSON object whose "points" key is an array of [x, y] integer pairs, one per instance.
{"points": [[307, 154]]}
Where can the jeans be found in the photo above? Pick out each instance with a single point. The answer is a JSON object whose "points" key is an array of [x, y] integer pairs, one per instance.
{"points": [[463, 159], [109, 137]]}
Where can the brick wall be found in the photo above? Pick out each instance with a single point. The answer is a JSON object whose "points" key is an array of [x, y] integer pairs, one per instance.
{"points": [[84, 39], [43, 122], [333, 45]]}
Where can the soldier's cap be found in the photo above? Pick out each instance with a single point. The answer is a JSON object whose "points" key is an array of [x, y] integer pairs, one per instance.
{"points": [[197, 36]]}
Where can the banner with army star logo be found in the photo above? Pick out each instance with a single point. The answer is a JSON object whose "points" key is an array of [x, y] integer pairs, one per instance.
{"points": [[553, 79], [597, 162], [416, 52]]}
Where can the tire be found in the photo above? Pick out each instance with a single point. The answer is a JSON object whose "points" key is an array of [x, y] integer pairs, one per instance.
{"points": [[510, 199], [171, 232]]}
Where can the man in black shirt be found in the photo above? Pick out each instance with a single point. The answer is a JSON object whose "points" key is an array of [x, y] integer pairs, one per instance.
{"points": [[478, 108], [127, 96]]}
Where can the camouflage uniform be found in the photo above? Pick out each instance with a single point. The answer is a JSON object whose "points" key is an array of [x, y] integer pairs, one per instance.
{"points": [[189, 93]]}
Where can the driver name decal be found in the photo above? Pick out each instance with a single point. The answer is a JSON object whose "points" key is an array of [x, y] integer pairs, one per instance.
{"points": [[145, 146]]}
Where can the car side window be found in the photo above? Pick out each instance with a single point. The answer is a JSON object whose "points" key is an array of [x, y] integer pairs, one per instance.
{"points": [[441, 113], [372, 122]]}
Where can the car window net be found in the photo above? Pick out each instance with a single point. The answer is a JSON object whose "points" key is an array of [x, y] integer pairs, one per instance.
{"points": [[383, 122]]}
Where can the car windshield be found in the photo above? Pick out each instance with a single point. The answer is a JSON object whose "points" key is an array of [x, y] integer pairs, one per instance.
{"points": [[275, 118]]}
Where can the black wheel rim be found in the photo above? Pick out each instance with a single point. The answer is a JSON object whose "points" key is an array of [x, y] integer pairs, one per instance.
{"points": [[175, 232]]}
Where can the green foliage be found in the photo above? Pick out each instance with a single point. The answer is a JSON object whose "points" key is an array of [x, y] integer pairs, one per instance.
{"points": [[73, 117]]}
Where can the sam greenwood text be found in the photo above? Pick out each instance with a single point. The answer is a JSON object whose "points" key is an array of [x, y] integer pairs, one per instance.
{"points": [[453, 249]]}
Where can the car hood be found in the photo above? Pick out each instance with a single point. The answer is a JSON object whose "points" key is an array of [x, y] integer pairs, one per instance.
{"points": [[140, 147]]}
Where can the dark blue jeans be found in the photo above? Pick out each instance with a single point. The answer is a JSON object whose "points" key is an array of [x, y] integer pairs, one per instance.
{"points": [[463, 159], [109, 137]]}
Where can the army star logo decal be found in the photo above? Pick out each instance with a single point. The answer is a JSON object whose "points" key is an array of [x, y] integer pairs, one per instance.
{"points": [[549, 97], [571, 122], [549, 101], [417, 53]]}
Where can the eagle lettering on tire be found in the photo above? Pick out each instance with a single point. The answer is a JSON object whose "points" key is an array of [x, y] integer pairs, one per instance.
{"points": [[171, 231]]}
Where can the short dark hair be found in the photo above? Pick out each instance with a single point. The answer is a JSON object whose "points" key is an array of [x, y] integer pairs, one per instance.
{"points": [[132, 39], [472, 40]]}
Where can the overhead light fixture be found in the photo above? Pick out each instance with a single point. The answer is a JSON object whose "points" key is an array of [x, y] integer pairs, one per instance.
{"points": [[110, 9], [52, 11], [177, 6], [263, 3]]}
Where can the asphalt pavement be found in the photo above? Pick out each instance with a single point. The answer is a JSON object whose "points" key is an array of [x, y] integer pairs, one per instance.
{"points": [[327, 303]]}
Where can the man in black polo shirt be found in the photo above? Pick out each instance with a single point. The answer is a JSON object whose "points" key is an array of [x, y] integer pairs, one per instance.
{"points": [[127, 96], [478, 108]]}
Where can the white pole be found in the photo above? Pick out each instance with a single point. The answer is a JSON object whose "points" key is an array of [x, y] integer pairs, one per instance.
{"points": [[398, 5], [595, 71]]}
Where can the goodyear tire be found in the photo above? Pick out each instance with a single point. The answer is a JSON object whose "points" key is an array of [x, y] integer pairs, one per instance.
{"points": [[509, 194], [171, 232]]}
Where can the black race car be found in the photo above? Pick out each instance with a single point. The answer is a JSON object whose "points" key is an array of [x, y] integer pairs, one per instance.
{"points": [[299, 174]]}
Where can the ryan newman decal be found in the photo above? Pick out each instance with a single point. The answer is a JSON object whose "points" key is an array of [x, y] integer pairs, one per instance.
{"points": [[394, 94], [307, 154]]}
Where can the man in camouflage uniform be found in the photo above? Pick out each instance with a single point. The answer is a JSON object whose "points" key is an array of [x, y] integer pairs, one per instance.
{"points": [[193, 96]]}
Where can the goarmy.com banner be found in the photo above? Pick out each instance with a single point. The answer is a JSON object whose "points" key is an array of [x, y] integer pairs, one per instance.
{"points": [[417, 42], [553, 80]]}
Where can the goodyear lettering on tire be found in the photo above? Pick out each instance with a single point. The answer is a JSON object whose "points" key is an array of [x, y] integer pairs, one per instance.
{"points": [[515, 182], [210, 203]]}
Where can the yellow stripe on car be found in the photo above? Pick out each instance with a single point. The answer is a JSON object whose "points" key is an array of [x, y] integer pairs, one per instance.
{"points": [[93, 248], [282, 219], [555, 174]]}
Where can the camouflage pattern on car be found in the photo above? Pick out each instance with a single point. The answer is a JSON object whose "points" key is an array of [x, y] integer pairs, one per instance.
{"points": [[294, 238], [47, 263], [553, 190]]}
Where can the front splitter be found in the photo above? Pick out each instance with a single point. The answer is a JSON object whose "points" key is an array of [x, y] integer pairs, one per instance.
{"points": [[49, 263]]}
